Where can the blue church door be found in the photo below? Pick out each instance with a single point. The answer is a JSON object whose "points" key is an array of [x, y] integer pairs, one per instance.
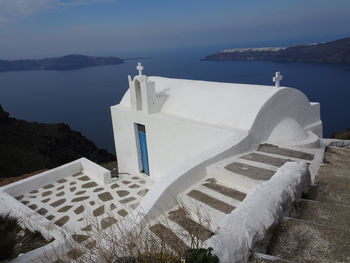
{"points": [[141, 130]]}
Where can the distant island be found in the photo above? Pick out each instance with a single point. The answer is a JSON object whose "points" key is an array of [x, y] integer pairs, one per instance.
{"points": [[329, 52], [68, 62]]}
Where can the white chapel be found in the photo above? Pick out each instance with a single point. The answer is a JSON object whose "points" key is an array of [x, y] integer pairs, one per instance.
{"points": [[161, 123]]}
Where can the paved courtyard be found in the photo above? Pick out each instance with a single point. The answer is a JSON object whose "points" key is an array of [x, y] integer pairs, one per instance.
{"points": [[75, 201]]}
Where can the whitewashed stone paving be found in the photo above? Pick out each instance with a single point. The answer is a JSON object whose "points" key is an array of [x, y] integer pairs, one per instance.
{"points": [[73, 202]]}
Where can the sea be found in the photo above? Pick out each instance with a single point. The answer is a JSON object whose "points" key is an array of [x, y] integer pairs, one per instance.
{"points": [[82, 98]]}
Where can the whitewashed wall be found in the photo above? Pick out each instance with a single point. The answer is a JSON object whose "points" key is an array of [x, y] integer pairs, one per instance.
{"points": [[286, 103], [285, 115], [170, 141]]}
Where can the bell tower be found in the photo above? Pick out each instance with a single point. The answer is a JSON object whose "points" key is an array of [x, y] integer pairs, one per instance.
{"points": [[142, 93]]}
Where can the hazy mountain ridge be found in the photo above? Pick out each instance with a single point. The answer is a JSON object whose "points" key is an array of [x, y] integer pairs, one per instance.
{"points": [[337, 51], [68, 62]]}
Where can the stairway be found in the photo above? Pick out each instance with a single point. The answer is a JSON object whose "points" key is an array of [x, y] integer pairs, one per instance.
{"points": [[320, 231], [193, 217], [226, 184], [202, 206]]}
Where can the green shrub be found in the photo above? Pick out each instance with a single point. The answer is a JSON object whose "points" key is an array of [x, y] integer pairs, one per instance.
{"points": [[201, 255]]}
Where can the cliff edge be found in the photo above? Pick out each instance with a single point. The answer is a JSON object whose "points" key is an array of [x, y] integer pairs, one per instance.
{"points": [[334, 52], [26, 147]]}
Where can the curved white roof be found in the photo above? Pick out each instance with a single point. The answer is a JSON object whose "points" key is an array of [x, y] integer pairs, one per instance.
{"points": [[216, 103]]}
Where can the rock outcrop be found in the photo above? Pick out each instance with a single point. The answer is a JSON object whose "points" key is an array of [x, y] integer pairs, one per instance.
{"points": [[26, 147], [341, 135]]}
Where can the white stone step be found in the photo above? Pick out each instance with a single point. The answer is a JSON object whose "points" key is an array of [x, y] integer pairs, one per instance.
{"points": [[286, 151], [230, 179], [200, 215], [210, 213], [178, 230], [187, 227], [168, 236], [257, 163], [217, 195], [283, 157]]}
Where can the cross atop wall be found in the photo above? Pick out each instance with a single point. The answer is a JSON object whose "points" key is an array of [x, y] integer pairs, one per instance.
{"points": [[139, 68], [277, 79]]}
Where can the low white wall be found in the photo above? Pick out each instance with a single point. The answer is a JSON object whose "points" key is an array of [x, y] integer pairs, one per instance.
{"points": [[98, 173], [58, 249], [336, 142], [316, 128], [35, 222], [31, 219], [101, 175], [247, 225], [31, 183], [28, 218]]}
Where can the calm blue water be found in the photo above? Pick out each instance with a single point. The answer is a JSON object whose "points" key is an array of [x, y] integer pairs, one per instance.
{"points": [[82, 98]]}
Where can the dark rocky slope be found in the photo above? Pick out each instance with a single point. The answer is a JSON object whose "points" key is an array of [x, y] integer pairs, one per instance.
{"points": [[60, 63], [26, 147], [342, 135], [330, 52]]}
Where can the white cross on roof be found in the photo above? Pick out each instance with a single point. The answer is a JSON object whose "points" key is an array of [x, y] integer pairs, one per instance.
{"points": [[139, 68], [277, 79]]}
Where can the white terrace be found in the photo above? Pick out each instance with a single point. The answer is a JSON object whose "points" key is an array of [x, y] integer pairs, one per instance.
{"points": [[71, 195]]}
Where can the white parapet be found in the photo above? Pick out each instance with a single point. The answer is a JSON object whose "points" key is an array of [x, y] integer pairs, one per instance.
{"points": [[101, 175], [240, 231], [31, 183], [29, 218]]}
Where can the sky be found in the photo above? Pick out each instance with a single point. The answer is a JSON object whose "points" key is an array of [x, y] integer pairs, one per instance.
{"points": [[44, 28]]}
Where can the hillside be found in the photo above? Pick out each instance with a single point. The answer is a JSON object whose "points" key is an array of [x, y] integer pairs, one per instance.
{"points": [[26, 147], [60, 63], [330, 52]]}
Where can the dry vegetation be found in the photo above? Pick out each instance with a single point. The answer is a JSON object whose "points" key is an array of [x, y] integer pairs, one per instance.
{"points": [[131, 241]]}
